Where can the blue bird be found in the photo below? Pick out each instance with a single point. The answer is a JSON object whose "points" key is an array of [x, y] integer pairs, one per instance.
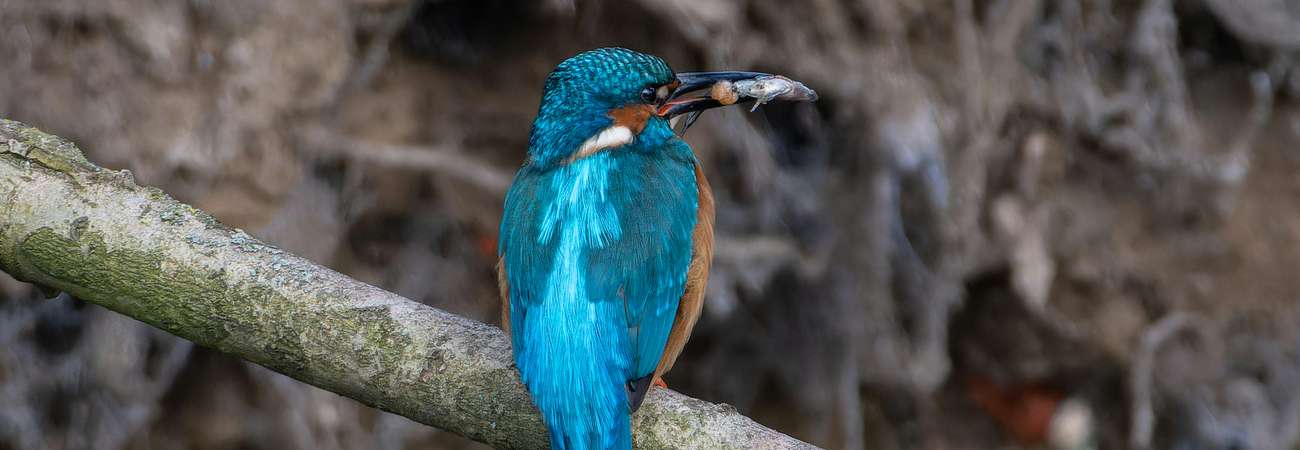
{"points": [[606, 241]]}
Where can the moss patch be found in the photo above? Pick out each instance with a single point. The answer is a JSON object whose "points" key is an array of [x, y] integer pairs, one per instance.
{"points": [[48, 150], [126, 281]]}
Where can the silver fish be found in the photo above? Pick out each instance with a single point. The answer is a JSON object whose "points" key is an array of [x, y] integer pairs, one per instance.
{"points": [[773, 87]]}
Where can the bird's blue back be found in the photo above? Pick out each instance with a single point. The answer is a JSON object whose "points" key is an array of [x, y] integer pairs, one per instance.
{"points": [[596, 251]]}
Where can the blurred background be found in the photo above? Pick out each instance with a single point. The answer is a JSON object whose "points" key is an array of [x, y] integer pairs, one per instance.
{"points": [[1006, 224]]}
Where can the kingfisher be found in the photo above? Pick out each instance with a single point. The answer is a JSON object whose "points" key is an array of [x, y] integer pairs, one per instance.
{"points": [[606, 241]]}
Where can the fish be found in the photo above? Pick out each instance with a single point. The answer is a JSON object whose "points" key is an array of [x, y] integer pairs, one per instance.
{"points": [[762, 89]]}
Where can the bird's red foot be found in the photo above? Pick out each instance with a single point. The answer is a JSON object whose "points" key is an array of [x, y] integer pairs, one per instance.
{"points": [[660, 382]]}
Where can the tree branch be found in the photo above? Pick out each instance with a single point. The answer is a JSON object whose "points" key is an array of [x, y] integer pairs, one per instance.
{"points": [[68, 224]]}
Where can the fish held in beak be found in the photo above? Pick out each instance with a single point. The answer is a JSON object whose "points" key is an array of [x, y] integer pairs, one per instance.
{"points": [[699, 91]]}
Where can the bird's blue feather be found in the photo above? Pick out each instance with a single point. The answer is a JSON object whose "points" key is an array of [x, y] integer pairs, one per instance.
{"points": [[596, 252]]}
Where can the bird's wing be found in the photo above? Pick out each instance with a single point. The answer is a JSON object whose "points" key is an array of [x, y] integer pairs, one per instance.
{"points": [[646, 268], [697, 277]]}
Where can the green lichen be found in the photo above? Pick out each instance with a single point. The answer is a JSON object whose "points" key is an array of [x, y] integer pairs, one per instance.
{"points": [[173, 212], [177, 213], [126, 281], [78, 227], [248, 244], [251, 319], [200, 306], [48, 150]]}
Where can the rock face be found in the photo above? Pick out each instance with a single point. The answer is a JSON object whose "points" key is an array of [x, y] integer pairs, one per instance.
{"points": [[995, 208]]}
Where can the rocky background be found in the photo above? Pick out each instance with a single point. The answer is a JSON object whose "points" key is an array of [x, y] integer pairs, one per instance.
{"points": [[1006, 224]]}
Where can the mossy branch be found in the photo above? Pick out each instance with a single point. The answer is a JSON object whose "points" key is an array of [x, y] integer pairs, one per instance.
{"points": [[70, 225]]}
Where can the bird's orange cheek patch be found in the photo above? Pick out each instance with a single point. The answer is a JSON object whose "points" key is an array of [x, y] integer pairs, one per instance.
{"points": [[628, 123], [634, 117]]}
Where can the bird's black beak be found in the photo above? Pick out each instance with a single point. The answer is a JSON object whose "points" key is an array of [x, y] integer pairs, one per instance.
{"points": [[690, 94]]}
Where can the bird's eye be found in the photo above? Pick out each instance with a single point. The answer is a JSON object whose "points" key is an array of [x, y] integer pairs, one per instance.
{"points": [[648, 95]]}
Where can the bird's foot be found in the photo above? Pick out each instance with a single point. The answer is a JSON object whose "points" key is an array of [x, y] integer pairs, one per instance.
{"points": [[660, 382]]}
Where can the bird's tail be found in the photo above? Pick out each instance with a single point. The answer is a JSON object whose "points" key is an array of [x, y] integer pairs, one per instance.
{"points": [[576, 372], [619, 437]]}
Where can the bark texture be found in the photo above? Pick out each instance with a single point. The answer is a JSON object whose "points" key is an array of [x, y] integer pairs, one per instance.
{"points": [[69, 225]]}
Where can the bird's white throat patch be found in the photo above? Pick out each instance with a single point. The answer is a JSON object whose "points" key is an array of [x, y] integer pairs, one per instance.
{"points": [[613, 136]]}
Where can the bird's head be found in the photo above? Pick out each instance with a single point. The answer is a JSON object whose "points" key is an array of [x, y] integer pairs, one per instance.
{"points": [[611, 97]]}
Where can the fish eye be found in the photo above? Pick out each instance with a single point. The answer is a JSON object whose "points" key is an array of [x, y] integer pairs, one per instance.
{"points": [[648, 95]]}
